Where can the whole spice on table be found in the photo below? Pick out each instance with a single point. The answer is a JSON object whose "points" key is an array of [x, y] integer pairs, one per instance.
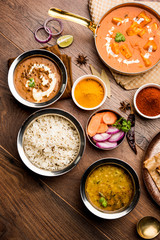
{"points": [[148, 101], [81, 60], [131, 133], [104, 77], [89, 93], [125, 105]]}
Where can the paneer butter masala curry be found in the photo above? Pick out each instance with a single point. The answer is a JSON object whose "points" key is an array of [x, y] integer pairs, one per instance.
{"points": [[128, 39], [37, 79]]}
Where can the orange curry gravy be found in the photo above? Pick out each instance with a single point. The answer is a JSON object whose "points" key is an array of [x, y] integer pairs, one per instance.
{"points": [[37, 79], [141, 47]]}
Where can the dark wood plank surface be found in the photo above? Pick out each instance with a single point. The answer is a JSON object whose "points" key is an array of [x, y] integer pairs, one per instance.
{"points": [[51, 208], [31, 210]]}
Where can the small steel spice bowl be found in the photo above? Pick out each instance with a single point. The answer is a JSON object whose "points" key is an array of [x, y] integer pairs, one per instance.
{"points": [[45, 112], [37, 53], [90, 139], [92, 77], [109, 214], [154, 85]]}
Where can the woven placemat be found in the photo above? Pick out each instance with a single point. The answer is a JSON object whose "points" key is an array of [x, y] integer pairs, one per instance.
{"points": [[67, 62], [97, 9]]}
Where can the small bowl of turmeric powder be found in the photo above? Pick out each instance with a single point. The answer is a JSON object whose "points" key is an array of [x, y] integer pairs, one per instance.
{"points": [[89, 92], [147, 101]]}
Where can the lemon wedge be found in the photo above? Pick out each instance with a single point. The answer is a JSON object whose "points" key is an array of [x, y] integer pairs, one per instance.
{"points": [[65, 41]]}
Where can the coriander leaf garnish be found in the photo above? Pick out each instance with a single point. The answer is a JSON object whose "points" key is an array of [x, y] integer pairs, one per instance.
{"points": [[122, 124], [119, 37], [31, 82]]}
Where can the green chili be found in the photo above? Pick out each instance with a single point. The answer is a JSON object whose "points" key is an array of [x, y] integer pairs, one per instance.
{"points": [[31, 82], [103, 202]]}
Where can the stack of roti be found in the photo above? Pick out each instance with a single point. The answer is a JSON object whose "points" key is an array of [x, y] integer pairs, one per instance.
{"points": [[153, 166]]}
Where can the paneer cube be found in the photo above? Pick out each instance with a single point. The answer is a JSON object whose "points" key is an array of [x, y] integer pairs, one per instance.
{"points": [[154, 26], [146, 18], [137, 26], [134, 29], [142, 32], [117, 20], [147, 61], [124, 49], [150, 44], [115, 47]]}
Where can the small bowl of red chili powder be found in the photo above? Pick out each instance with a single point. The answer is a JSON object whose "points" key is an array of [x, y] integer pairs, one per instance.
{"points": [[147, 101]]}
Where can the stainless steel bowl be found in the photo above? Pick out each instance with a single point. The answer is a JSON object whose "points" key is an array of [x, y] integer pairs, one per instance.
{"points": [[40, 53], [45, 112], [121, 212], [90, 139], [154, 85], [92, 77]]}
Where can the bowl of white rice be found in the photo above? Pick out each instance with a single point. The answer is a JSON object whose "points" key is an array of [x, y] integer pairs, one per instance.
{"points": [[51, 142]]}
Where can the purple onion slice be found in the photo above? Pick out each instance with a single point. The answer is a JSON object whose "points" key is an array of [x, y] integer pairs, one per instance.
{"points": [[106, 145], [116, 137], [43, 41], [101, 137], [53, 19]]}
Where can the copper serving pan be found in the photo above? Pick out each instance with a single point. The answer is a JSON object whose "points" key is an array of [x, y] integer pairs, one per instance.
{"points": [[57, 13]]}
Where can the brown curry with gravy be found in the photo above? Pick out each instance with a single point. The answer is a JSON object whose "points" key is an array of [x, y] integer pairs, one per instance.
{"points": [[37, 79], [128, 39]]}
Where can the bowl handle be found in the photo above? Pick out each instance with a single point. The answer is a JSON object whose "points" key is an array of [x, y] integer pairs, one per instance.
{"points": [[58, 13]]}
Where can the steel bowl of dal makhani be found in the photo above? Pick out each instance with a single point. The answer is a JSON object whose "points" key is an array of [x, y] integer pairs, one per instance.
{"points": [[110, 188], [51, 142], [37, 78]]}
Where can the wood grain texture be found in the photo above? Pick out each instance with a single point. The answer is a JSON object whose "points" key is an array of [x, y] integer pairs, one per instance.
{"points": [[62, 202], [30, 210], [19, 21]]}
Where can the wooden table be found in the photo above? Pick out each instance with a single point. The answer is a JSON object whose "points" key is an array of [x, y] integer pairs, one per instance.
{"points": [[34, 207]]}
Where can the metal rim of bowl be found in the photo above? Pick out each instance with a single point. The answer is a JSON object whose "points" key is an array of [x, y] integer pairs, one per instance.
{"points": [[42, 53], [103, 110], [139, 230], [135, 97], [27, 122], [118, 213], [134, 4], [89, 76]]}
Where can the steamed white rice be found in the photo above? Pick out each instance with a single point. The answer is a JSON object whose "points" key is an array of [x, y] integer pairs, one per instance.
{"points": [[51, 142]]}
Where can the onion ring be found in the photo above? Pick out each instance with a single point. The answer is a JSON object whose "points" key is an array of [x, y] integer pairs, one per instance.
{"points": [[53, 19], [46, 40]]}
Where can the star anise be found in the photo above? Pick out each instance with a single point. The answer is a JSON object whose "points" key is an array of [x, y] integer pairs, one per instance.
{"points": [[81, 60], [125, 105]]}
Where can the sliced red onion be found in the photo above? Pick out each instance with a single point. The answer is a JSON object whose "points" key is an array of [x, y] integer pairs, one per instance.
{"points": [[112, 130], [116, 137], [53, 19], [43, 41], [106, 145], [101, 137]]}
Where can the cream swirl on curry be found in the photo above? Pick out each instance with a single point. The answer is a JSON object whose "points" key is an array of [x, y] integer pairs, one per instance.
{"points": [[128, 39], [37, 79]]}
